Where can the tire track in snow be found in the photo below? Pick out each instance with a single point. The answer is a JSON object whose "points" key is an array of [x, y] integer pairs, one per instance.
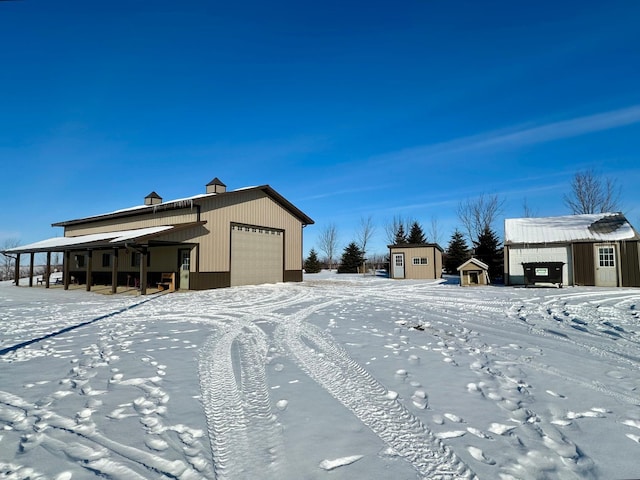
{"points": [[331, 367], [243, 431]]}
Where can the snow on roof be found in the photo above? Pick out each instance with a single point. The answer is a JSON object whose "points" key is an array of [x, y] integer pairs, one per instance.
{"points": [[475, 261], [188, 202], [606, 227], [112, 237], [178, 201]]}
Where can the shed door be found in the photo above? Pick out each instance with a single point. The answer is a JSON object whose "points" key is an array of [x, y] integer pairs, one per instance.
{"points": [[257, 255], [606, 266], [398, 265]]}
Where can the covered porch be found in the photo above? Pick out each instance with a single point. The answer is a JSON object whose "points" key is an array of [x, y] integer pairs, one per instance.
{"points": [[116, 262]]}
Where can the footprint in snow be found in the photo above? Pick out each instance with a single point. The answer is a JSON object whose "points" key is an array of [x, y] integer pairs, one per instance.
{"points": [[452, 434], [500, 429], [479, 433], [479, 455], [631, 423], [635, 438], [453, 418], [589, 414], [554, 394], [339, 462]]}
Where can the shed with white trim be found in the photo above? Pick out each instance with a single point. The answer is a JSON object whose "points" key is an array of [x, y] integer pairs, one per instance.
{"points": [[473, 272], [595, 249]]}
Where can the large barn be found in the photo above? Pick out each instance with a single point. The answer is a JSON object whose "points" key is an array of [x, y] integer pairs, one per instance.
{"points": [[215, 239], [593, 249]]}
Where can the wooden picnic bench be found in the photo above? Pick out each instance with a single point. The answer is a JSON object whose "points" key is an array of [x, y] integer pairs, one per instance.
{"points": [[167, 282], [42, 281]]}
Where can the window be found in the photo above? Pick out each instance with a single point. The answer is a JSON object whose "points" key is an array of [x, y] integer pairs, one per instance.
{"points": [[606, 257], [135, 259], [79, 261], [420, 261], [106, 259]]}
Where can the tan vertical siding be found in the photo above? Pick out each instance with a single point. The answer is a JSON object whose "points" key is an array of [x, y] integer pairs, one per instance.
{"points": [[171, 217], [431, 270], [256, 209], [213, 237]]}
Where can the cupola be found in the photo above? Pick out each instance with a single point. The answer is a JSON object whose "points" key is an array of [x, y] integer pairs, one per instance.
{"points": [[152, 199], [216, 186]]}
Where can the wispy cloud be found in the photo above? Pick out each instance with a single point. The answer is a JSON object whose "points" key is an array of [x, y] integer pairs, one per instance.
{"points": [[335, 193], [522, 135]]}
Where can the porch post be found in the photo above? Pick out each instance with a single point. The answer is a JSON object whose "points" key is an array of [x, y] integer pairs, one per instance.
{"points": [[66, 266], [32, 256], [47, 271], [16, 274], [143, 271], [89, 269], [114, 271]]}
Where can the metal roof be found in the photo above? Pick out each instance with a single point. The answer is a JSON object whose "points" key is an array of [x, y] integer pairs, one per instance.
{"points": [[599, 227], [99, 240], [189, 202]]}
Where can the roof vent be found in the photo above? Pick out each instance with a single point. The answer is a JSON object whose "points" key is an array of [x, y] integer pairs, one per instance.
{"points": [[216, 186], [152, 199]]}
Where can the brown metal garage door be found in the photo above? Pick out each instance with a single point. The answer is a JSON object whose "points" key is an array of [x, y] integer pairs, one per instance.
{"points": [[257, 255]]}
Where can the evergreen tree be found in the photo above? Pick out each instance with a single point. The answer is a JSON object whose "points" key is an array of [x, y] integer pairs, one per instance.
{"points": [[488, 249], [312, 264], [457, 252], [416, 235], [352, 258], [401, 236]]}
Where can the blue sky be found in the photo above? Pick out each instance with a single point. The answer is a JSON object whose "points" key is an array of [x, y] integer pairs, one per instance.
{"points": [[348, 109]]}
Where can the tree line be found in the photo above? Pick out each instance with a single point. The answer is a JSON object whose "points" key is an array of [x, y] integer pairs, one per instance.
{"points": [[589, 193]]}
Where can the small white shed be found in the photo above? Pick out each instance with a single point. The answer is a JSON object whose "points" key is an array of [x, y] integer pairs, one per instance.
{"points": [[473, 272]]}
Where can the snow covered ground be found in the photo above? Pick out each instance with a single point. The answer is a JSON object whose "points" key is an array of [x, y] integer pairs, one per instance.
{"points": [[338, 377]]}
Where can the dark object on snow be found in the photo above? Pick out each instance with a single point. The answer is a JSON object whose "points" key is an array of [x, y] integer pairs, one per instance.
{"points": [[547, 274]]}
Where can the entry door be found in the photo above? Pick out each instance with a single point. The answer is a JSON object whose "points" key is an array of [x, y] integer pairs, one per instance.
{"points": [[606, 266], [185, 262], [398, 265]]}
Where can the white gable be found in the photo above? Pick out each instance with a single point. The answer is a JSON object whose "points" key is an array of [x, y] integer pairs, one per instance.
{"points": [[474, 261], [600, 227]]}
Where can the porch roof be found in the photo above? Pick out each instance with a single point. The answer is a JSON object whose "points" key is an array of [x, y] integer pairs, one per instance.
{"points": [[99, 240]]}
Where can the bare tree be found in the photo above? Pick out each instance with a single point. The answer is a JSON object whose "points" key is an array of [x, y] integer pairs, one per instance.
{"points": [[392, 227], [8, 261], [328, 242], [364, 234], [434, 235], [527, 211], [592, 193], [478, 214]]}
